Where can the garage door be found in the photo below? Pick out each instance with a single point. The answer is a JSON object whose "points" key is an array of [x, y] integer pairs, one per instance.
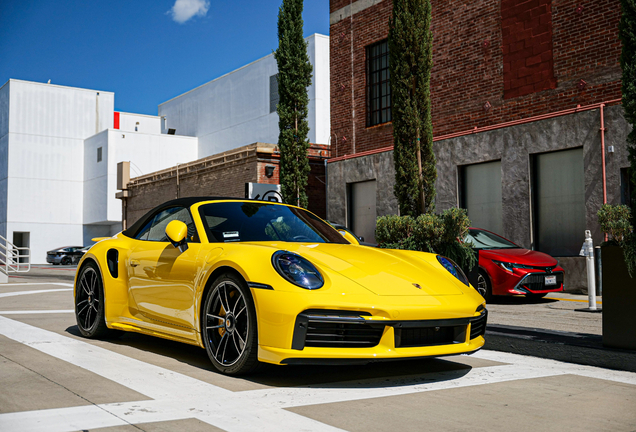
{"points": [[361, 209], [481, 195]]}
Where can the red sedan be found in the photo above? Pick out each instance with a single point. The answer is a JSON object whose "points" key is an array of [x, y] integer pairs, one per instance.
{"points": [[508, 269]]}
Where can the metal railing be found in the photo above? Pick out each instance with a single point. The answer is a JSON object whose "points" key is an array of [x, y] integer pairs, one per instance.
{"points": [[14, 259]]}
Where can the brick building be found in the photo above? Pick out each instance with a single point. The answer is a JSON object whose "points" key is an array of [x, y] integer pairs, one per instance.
{"points": [[520, 89], [224, 174]]}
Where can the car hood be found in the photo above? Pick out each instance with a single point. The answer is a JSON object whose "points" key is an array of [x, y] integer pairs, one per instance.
{"points": [[381, 271], [519, 256]]}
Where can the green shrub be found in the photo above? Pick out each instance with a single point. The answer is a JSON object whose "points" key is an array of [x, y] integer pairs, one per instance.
{"points": [[395, 232], [615, 222], [441, 234]]}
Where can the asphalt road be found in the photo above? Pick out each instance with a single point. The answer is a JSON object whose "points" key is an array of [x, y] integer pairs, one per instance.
{"points": [[52, 379]]}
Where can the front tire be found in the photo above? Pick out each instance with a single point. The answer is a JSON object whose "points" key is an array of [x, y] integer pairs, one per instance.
{"points": [[484, 286], [67, 261], [89, 303], [229, 327]]}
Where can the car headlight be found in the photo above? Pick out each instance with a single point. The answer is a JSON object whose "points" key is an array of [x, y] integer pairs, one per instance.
{"points": [[510, 266], [453, 269], [297, 270]]}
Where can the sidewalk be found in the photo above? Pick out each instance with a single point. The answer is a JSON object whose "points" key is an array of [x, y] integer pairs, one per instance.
{"points": [[552, 328]]}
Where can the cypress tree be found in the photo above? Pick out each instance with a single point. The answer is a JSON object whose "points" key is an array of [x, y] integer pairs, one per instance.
{"points": [[627, 34], [294, 76], [410, 54]]}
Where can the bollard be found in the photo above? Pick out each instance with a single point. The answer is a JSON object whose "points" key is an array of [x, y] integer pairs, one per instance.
{"points": [[591, 277], [588, 251]]}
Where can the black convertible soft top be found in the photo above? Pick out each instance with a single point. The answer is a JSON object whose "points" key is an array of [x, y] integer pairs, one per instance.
{"points": [[179, 202]]}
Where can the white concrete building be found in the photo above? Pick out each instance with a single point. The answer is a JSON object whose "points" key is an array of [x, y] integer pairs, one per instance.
{"points": [[58, 163], [59, 146], [239, 108]]}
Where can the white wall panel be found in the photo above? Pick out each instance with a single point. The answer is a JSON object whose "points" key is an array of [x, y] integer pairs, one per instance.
{"points": [[50, 110], [44, 201], [45, 157], [4, 157], [4, 109], [95, 178], [144, 123], [322, 87]]}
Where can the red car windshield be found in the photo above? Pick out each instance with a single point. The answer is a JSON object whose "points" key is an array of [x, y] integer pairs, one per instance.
{"points": [[487, 240]]}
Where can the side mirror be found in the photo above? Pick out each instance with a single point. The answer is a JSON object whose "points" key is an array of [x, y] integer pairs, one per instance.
{"points": [[351, 239], [177, 231]]}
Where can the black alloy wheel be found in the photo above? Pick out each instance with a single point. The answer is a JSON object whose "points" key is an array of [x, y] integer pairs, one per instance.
{"points": [[89, 303], [229, 326], [67, 261], [483, 285]]}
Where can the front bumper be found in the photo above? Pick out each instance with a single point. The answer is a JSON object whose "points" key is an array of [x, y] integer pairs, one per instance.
{"points": [[329, 339], [525, 281]]}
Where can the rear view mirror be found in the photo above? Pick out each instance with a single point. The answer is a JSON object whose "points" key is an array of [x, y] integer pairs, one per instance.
{"points": [[177, 231]]}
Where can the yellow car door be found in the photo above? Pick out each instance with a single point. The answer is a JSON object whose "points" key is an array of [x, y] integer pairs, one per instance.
{"points": [[161, 277]]}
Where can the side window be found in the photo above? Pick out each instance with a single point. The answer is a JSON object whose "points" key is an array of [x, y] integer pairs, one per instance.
{"points": [[155, 230], [143, 234]]}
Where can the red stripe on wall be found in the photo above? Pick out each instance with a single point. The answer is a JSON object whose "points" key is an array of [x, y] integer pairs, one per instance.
{"points": [[116, 125]]}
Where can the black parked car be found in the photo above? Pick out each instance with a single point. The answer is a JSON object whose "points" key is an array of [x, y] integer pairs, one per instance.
{"points": [[66, 255]]}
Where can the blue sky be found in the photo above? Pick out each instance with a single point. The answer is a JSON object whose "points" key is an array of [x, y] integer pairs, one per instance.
{"points": [[146, 51]]}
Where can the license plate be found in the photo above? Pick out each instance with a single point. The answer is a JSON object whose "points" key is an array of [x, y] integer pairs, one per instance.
{"points": [[550, 280]]}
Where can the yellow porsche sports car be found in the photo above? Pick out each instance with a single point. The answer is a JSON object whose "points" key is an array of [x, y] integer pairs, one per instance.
{"points": [[254, 281]]}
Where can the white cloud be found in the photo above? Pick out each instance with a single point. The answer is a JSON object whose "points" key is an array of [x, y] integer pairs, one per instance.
{"points": [[183, 10]]}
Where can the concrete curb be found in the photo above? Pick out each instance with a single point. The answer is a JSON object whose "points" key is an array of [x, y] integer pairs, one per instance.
{"points": [[580, 348]]}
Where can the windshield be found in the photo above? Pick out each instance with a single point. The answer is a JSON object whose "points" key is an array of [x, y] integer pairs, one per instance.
{"points": [[252, 221], [487, 240]]}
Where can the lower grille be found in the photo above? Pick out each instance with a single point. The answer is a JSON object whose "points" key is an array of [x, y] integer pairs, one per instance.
{"points": [[342, 335], [536, 281], [429, 336], [478, 325]]}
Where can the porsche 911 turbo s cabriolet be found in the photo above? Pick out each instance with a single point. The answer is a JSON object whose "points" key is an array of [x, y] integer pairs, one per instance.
{"points": [[253, 282]]}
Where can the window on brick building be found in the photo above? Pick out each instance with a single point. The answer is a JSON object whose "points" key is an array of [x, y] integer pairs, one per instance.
{"points": [[273, 93], [378, 85]]}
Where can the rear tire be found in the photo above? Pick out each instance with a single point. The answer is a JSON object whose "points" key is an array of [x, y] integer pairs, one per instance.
{"points": [[229, 327], [67, 261], [484, 286]]}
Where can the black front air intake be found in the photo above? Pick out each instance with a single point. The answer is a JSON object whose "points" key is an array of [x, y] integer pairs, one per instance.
{"points": [[478, 325], [341, 334], [334, 329]]}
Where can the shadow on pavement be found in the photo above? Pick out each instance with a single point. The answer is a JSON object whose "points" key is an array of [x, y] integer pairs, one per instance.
{"points": [[518, 300], [373, 375]]}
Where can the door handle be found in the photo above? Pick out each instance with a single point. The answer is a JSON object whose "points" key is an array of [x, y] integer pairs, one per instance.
{"points": [[134, 263]]}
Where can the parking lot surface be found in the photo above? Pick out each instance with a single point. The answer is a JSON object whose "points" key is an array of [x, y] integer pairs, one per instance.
{"points": [[52, 379]]}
